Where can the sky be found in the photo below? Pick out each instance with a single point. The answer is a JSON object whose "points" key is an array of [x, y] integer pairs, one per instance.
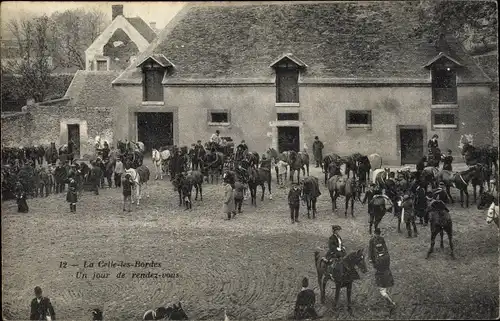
{"points": [[159, 12]]}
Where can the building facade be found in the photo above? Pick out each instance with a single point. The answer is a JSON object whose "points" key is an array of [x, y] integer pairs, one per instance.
{"points": [[276, 75]]}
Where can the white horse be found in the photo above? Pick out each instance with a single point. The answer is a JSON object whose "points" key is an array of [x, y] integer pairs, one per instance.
{"points": [[492, 215], [140, 176], [157, 160], [165, 159]]}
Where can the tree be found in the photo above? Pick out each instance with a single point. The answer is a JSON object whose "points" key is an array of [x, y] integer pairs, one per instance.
{"points": [[473, 23], [75, 31]]}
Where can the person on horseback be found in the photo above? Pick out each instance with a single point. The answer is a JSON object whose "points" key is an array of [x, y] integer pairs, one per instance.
{"points": [[434, 152], [216, 139], [265, 162], [105, 151], [372, 190], [336, 250], [242, 146]]}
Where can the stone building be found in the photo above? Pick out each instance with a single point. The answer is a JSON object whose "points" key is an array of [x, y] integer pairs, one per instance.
{"points": [[279, 74], [118, 45]]}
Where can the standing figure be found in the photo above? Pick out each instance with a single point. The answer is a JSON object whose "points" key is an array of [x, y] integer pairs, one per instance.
{"points": [[105, 151], [447, 160], [420, 167], [379, 257], [127, 192], [118, 172], [294, 202], [41, 307], [71, 150], [72, 195], [306, 299], [239, 189], [318, 151], [434, 151], [228, 206], [22, 204], [95, 177]]}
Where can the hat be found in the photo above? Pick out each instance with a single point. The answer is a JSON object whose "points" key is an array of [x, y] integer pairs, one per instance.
{"points": [[336, 228], [305, 282], [38, 290], [316, 137]]}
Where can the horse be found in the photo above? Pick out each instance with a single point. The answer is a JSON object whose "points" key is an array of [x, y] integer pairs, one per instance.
{"points": [[380, 175], [345, 280], [338, 185], [184, 186], [460, 181], [157, 163], [484, 154], [140, 177], [329, 159], [429, 176], [274, 155], [252, 158], [310, 193], [109, 168], [305, 162], [171, 313], [407, 215], [213, 165], [363, 171], [351, 163], [492, 215], [258, 177], [440, 221], [295, 162], [378, 206]]}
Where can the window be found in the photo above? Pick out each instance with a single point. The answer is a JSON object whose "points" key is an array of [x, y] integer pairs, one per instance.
{"points": [[359, 118], [152, 85], [446, 118], [288, 116], [444, 85], [101, 65], [219, 117], [287, 82]]}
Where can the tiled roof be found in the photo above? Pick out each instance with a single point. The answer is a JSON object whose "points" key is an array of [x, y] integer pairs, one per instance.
{"points": [[143, 28], [91, 89], [335, 40]]}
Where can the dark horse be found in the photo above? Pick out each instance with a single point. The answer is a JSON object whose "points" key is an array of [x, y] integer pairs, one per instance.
{"points": [[296, 163], [184, 185], [342, 280], [310, 193], [258, 177], [485, 200], [338, 185], [460, 181], [487, 155], [213, 165], [171, 313], [440, 221], [132, 157]]}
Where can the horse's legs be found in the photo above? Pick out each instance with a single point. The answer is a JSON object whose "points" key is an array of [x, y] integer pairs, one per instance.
{"points": [[333, 200], [441, 234], [201, 191], [352, 204], [371, 223], [196, 196], [434, 233], [180, 197], [466, 198], [461, 198], [307, 166], [269, 186], [263, 186], [349, 291], [347, 199], [139, 192], [314, 206], [323, 285], [449, 231], [475, 192], [337, 294], [320, 284], [449, 194]]}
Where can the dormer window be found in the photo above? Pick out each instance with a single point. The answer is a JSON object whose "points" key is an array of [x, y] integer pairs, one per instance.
{"points": [[287, 78], [101, 64], [153, 69], [444, 79]]}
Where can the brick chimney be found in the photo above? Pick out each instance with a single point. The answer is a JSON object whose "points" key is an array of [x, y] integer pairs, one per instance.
{"points": [[117, 10], [153, 25]]}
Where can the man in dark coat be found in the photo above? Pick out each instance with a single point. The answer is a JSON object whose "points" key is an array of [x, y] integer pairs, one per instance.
{"points": [[420, 203], [420, 167], [22, 204], [41, 307], [95, 177], [105, 151], [71, 150], [447, 160], [72, 196], [294, 202], [306, 299], [60, 176], [336, 249], [379, 257], [318, 151]]}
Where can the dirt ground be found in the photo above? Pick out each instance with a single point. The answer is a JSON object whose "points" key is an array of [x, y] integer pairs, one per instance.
{"points": [[252, 265]]}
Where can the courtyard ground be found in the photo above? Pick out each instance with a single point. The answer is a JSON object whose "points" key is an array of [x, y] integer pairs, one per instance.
{"points": [[252, 265]]}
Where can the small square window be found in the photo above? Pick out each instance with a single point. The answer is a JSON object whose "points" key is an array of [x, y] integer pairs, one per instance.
{"points": [[288, 116], [359, 118], [445, 119], [219, 117], [102, 65]]}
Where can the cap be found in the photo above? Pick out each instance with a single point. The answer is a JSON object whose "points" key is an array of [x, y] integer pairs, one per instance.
{"points": [[336, 228], [316, 137]]}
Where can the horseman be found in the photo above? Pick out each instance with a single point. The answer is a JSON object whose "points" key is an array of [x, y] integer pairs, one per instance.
{"points": [[336, 250], [266, 163], [216, 140], [242, 147], [105, 151]]}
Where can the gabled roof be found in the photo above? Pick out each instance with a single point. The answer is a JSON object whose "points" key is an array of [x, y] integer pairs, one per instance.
{"points": [[290, 56], [159, 58], [91, 89], [439, 56], [358, 40], [143, 28]]}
